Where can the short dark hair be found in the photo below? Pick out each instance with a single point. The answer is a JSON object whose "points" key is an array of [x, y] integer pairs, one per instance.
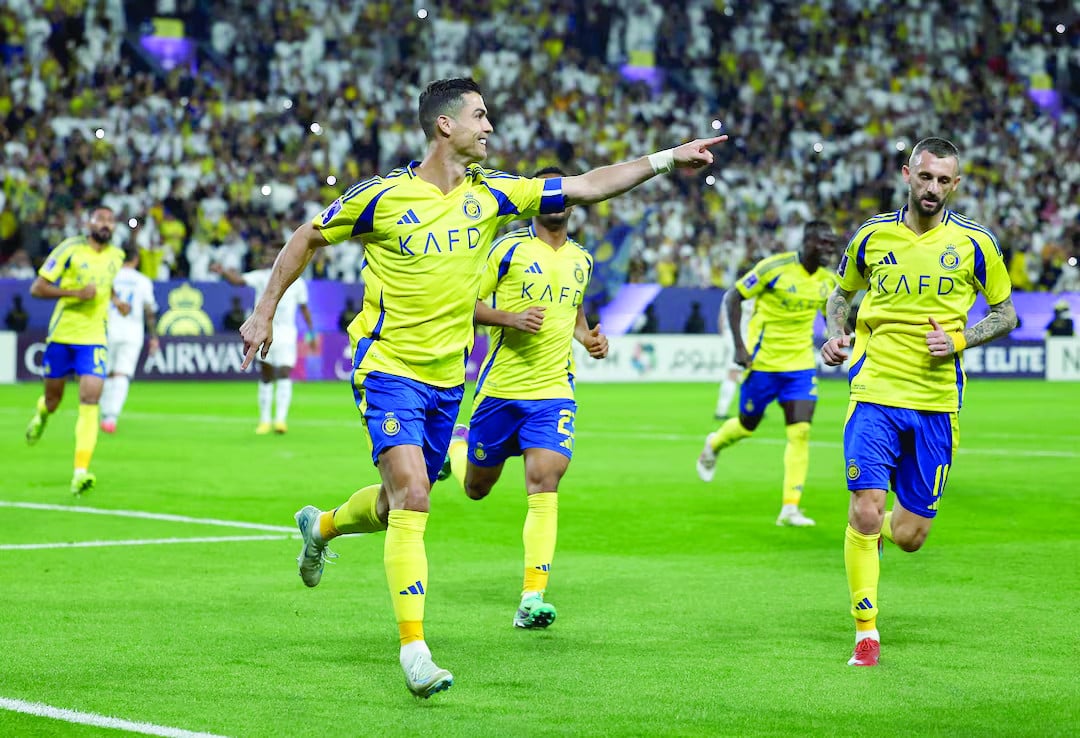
{"points": [[550, 170], [443, 97], [942, 148], [818, 229]]}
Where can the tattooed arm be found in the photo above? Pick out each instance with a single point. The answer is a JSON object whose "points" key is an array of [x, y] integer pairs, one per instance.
{"points": [[998, 322], [837, 309]]}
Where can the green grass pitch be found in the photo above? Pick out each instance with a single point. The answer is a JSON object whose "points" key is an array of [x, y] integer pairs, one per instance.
{"points": [[683, 609]]}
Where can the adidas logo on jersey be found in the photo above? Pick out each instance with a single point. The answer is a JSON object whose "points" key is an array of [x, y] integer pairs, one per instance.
{"points": [[534, 269], [409, 218], [890, 258]]}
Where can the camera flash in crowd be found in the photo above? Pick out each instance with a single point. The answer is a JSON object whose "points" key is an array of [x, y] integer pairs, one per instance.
{"points": [[422, 13], [819, 147], [1060, 28], [710, 180], [266, 190], [287, 104], [316, 129], [99, 133], [331, 180], [900, 145], [717, 125], [133, 223]]}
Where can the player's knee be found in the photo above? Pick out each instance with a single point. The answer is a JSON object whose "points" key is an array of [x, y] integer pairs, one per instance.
{"points": [[476, 491], [415, 495], [798, 433], [546, 482], [867, 514]]}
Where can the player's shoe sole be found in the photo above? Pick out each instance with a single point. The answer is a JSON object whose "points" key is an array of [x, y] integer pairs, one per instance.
{"points": [[82, 482], [795, 520], [313, 555], [35, 428], [534, 614], [108, 426]]}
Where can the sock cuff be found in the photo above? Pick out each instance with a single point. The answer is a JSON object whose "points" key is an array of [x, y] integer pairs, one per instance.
{"points": [[861, 540], [88, 409], [408, 520], [543, 501]]}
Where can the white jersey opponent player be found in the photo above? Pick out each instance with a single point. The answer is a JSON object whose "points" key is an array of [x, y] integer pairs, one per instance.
{"points": [[733, 378], [125, 335], [279, 362]]}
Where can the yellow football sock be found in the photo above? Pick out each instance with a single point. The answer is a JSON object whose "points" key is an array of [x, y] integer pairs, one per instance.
{"points": [[863, 571], [42, 408], [886, 527], [538, 535], [458, 453], [86, 431], [729, 433], [406, 565], [360, 514], [796, 461]]}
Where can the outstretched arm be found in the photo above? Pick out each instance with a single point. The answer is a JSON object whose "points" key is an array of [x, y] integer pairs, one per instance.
{"points": [[257, 330], [607, 182], [837, 309], [231, 276], [998, 322]]}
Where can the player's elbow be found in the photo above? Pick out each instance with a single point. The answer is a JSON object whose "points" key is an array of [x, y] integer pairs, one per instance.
{"points": [[37, 289]]}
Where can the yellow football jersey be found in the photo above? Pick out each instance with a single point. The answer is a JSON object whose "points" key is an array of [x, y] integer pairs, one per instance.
{"points": [[908, 280], [787, 298], [72, 265], [522, 272], [423, 256]]}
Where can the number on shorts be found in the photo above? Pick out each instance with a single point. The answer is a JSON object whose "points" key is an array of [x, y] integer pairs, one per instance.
{"points": [[100, 355], [566, 428]]}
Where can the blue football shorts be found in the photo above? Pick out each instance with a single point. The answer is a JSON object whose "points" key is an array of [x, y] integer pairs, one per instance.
{"points": [[64, 359], [908, 451], [500, 428], [760, 388], [404, 412]]}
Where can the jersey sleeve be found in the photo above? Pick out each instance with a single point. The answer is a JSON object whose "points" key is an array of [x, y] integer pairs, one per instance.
{"points": [[991, 274], [852, 269], [55, 265], [755, 281], [353, 214], [522, 197], [497, 266]]}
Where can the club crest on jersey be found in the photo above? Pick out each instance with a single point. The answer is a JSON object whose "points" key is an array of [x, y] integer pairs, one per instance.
{"points": [[478, 453], [391, 425], [579, 274], [471, 207], [330, 212], [949, 259], [853, 470]]}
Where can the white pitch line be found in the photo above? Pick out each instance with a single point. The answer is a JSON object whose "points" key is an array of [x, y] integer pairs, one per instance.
{"points": [[136, 542], [149, 516], [100, 721]]}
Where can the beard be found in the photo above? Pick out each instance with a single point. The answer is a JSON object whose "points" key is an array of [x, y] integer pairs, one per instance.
{"points": [[101, 235], [554, 221], [932, 210]]}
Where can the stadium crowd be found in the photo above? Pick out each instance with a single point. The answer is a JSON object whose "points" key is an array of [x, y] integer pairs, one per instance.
{"points": [[294, 100]]}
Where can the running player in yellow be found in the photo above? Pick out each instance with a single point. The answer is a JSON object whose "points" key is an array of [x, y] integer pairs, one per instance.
{"points": [[535, 279], [426, 229], [921, 267], [790, 289], [79, 275]]}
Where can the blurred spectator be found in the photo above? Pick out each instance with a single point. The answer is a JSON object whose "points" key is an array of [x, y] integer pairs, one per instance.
{"points": [[236, 315], [347, 315], [18, 266], [695, 321], [647, 321], [17, 317], [1062, 324]]}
